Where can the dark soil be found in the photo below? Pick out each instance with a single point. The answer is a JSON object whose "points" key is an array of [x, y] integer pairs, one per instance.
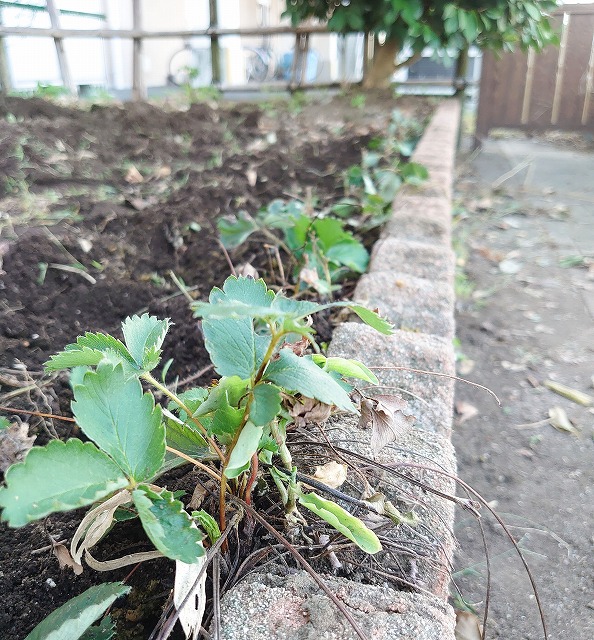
{"points": [[132, 193]]}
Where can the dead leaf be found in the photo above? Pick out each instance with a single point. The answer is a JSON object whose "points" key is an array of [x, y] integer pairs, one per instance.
{"points": [[308, 410], [15, 442], [186, 583], [510, 267], [197, 497], [309, 276], [465, 411], [333, 474], [65, 560], [558, 419], [465, 366], [162, 172], [247, 270], [385, 415], [137, 203], [252, 177], [133, 176], [300, 347], [467, 626], [571, 394], [85, 244], [490, 255]]}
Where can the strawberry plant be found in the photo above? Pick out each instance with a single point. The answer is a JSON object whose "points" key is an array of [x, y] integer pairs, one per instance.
{"points": [[322, 249], [257, 341]]}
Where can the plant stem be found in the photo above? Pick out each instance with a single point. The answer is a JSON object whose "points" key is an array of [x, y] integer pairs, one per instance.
{"points": [[163, 389], [211, 473], [287, 460]]}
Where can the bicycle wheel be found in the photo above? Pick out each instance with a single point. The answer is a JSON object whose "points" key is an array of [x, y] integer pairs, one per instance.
{"points": [[182, 67], [257, 64]]}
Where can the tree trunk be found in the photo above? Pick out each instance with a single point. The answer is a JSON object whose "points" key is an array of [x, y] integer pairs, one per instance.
{"points": [[379, 73]]}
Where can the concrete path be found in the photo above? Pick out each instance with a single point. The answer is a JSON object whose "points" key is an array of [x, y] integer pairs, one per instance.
{"points": [[529, 215]]}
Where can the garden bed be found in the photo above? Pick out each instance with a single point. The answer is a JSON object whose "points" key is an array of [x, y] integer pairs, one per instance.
{"points": [[132, 194]]}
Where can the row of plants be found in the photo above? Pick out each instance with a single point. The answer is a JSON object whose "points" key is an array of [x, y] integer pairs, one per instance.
{"points": [[322, 245], [273, 374]]}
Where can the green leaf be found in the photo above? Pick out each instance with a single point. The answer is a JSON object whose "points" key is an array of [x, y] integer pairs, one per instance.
{"points": [[350, 253], [58, 477], [89, 350], [266, 404], [169, 527], [350, 526], [388, 184], [225, 422], [103, 631], [237, 229], [192, 398], [533, 11], [371, 318], [245, 447], [302, 375], [208, 523], [4, 423], [227, 324], [186, 439], [346, 367], [144, 337], [113, 412], [72, 619], [414, 173], [228, 391]]}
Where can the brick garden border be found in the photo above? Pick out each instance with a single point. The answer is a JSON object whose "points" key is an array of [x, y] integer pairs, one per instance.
{"points": [[410, 279]]}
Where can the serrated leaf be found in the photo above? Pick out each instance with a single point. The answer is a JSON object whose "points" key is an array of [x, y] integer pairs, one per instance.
{"points": [[229, 390], [169, 527], [89, 350], [266, 404], [144, 337], [245, 447], [125, 423], [208, 524], [302, 375], [72, 619], [346, 367], [350, 526], [58, 477]]}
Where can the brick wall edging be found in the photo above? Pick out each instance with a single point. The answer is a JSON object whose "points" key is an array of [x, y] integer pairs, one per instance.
{"points": [[410, 279]]}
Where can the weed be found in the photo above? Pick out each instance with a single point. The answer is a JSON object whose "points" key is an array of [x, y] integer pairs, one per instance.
{"points": [[358, 101], [297, 102]]}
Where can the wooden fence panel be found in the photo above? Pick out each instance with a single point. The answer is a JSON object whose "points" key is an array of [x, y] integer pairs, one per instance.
{"points": [[549, 90]]}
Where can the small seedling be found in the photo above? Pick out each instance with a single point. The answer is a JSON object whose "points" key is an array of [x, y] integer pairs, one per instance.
{"points": [[256, 340], [322, 249]]}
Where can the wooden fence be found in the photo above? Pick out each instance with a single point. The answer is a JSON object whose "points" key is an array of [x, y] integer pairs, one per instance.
{"points": [[548, 90]]}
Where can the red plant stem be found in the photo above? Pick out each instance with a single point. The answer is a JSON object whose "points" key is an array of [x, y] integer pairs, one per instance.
{"points": [[247, 494]]}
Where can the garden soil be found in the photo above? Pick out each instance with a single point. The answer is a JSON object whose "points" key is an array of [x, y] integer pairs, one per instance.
{"points": [[101, 209]]}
